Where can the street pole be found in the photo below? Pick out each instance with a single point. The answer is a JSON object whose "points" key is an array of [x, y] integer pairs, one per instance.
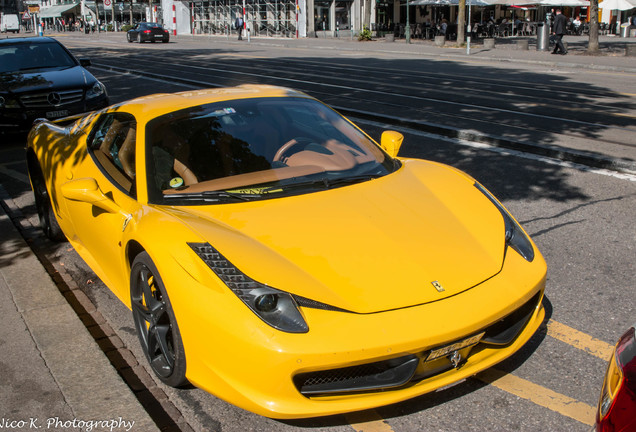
{"points": [[468, 30], [407, 30]]}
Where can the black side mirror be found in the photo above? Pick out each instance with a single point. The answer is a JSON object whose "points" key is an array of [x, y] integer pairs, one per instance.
{"points": [[85, 62]]}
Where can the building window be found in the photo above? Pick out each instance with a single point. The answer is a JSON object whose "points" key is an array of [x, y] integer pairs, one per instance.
{"points": [[321, 12], [342, 15]]}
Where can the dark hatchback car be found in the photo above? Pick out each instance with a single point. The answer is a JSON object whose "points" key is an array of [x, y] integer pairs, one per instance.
{"points": [[144, 32], [40, 78]]}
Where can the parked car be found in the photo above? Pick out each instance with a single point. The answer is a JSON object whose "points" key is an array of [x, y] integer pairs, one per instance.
{"points": [[9, 23], [617, 404], [144, 32], [275, 255], [39, 77]]}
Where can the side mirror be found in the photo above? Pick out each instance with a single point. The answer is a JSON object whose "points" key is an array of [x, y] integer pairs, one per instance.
{"points": [[391, 142], [86, 190], [85, 62]]}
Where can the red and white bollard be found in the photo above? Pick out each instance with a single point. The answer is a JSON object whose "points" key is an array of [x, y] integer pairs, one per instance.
{"points": [[174, 19]]}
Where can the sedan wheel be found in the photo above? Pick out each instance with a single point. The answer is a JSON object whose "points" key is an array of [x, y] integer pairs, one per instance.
{"points": [[128, 37], [155, 322], [139, 37], [48, 222]]}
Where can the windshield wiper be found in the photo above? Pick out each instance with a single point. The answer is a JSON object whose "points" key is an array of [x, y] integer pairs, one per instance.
{"points": [[211, 196], [322, 183]]}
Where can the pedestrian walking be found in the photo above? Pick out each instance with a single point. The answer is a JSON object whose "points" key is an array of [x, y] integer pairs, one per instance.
{"points": [[239, 26], [559, 30]]}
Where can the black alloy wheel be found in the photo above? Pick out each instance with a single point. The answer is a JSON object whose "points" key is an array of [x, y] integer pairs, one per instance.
{"points": [[155, 322], [48, 222]]}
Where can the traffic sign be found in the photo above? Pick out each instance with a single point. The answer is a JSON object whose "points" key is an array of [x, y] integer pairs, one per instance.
{"points": [[26, 16]]}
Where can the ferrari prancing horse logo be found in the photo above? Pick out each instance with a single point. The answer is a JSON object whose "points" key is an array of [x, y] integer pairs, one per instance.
{"points": [[438, 286]]}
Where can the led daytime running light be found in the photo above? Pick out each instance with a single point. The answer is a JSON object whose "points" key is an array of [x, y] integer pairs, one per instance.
{"points": [[516, 238], [277, 308]]}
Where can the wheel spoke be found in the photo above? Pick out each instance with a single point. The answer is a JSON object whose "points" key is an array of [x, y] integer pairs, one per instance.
{"points": [[156, 307], [142, 310], [162, 333], [162, 357]]}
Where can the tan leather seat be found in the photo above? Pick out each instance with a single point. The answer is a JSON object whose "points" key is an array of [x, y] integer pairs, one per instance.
{"points": [[126, 153], [185, 173]]}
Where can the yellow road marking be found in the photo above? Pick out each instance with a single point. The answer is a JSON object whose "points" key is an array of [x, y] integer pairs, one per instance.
{"points": [[368, 421], [580, 340], [539, 395]]}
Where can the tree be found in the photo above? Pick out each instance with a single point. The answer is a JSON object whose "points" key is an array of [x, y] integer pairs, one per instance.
{"points": [[367, 14], [592, 46], [461, 19]]}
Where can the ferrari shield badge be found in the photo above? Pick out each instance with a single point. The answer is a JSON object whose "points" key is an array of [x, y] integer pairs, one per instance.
{"points": [[438, 286]]}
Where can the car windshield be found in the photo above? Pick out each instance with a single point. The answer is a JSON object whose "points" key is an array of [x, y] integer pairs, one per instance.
{"points": [[257, 148], [25, 56]]}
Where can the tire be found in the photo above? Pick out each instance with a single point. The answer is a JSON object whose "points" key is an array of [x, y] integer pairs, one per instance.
{"points": [[139, 37], [129, 38], [155, 322], [48, 222]]}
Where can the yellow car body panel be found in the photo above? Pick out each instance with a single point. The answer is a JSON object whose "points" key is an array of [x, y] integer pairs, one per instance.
{"points": [[408, 262]]}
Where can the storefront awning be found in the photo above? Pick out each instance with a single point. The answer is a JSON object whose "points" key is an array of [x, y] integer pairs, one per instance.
{"points": [[55, 11]]}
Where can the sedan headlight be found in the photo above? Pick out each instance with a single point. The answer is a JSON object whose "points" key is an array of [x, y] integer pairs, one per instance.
{"points": [[277, 308], [97, 90], [8, 102], [516, 238]]}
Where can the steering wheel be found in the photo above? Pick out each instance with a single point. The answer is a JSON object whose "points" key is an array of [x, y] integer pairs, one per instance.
{"points": [[282, 152]]}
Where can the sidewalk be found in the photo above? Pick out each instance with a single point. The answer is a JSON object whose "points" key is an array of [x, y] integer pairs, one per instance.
{"points": [[54, 376]]}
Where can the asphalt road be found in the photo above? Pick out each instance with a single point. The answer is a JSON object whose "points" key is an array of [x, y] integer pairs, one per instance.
{"points": [[581, 219]]}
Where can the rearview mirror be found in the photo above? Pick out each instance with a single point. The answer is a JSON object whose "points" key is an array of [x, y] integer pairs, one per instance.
{"points": [[86, 190], [391, 142]]}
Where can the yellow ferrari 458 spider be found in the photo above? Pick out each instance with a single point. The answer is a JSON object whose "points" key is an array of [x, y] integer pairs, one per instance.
{"points": [[276, 256]]}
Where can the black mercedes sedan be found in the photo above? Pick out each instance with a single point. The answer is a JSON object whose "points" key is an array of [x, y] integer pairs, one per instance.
{"points": [[145, 31], [40, 78]]}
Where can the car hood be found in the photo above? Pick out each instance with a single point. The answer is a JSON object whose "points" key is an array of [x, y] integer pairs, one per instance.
{"points": [[45, 79], [418, 235]]}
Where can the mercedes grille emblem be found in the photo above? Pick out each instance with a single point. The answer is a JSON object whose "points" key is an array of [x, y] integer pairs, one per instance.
{"points": [[54, 98]]}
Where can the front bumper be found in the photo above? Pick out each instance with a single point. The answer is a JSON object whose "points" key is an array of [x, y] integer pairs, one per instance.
{"points": [[235, 356], [20, 120]]}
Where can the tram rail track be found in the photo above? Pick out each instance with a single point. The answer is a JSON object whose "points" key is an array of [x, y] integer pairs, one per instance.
{"points": [[202, 77]]}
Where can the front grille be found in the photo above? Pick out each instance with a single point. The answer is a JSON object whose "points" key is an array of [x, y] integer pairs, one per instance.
{"points": [[412, 368], [366, 377], [52, 98]]}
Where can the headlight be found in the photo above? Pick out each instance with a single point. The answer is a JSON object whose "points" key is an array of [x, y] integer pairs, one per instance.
{"points": [[98, 89], [515, 237], [8, 102], [277, 308]]}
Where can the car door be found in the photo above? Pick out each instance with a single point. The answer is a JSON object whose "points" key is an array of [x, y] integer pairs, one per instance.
{"points": [[134, 32], [101, 198]]}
